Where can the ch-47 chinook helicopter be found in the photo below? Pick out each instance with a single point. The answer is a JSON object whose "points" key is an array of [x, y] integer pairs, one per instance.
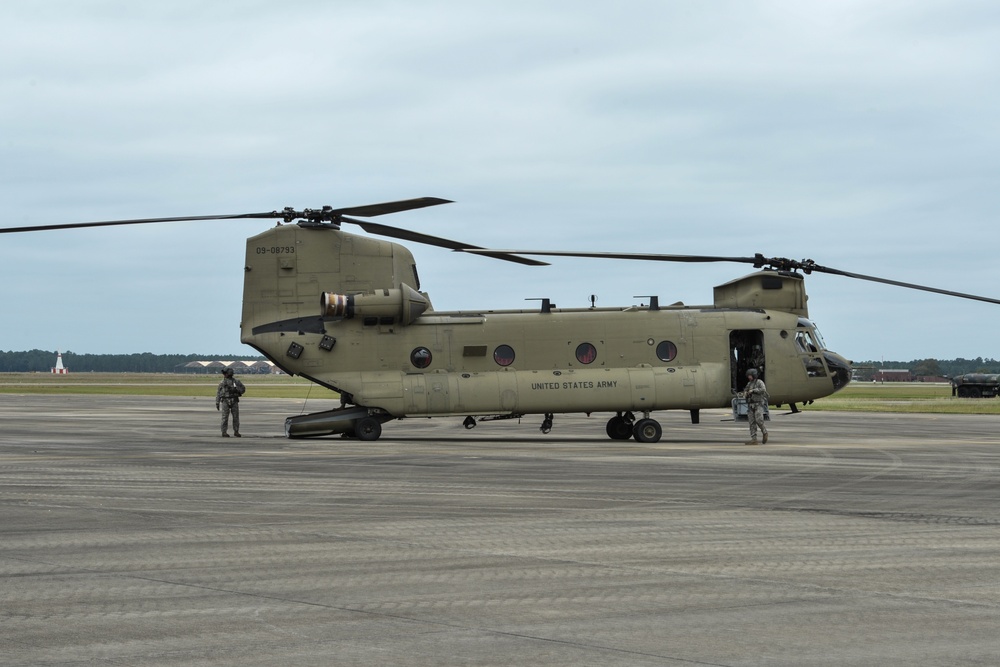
{"points": [[346, 311]]}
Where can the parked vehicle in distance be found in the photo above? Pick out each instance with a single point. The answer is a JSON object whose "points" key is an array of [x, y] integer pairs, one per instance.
{"points": [[976, 385]]}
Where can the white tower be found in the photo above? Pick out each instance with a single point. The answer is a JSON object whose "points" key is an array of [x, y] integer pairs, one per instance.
{"points": [[59, 369]]}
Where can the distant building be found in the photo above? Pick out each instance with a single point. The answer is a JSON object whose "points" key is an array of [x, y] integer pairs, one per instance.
{"points": [[59, 368], [259, 367], [893, 375]]}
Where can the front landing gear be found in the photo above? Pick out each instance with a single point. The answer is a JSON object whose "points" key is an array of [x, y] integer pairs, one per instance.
{"points": [[623, 426], [547, 423]]}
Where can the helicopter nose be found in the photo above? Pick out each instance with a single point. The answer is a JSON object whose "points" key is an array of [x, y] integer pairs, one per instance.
{"points": [[840, 369]]}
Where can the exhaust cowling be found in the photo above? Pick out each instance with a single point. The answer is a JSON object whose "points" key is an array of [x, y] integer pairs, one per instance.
{"points": [[403, 305]]}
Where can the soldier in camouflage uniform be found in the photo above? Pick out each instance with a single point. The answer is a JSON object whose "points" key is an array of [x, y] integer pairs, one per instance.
{"points": [[756, 395], [227, 399]]}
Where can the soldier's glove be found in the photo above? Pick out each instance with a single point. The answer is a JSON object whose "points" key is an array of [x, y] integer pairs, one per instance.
{"points": [[217, 406]]}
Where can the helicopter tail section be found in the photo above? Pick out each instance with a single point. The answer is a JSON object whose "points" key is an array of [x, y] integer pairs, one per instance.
{"points": [[297, 279]]}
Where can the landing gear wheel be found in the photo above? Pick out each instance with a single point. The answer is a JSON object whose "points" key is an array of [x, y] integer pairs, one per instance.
{"points": [[367, 428], [647, 430], [619, 428], [469, 423]]}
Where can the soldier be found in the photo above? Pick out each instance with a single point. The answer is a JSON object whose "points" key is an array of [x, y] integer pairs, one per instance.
{"points": [[756, 395], [227, 399]]}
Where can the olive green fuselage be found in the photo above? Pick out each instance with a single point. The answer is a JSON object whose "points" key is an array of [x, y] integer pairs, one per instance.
{"points": [[385, 347]]}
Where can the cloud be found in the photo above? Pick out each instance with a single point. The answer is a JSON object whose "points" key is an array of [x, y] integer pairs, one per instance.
{"points": [[864, 137]]}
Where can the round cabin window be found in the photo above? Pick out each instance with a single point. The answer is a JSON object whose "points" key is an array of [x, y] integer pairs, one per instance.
{"points": [[503, 355], [666, 351], [586, 353], [420, 357]]}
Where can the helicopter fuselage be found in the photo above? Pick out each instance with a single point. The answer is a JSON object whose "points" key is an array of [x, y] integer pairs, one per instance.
{"points": [[345, 311]]}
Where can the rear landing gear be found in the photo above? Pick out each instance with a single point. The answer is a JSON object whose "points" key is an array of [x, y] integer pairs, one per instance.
{"points": [[368, 429], [620, 426], [647, 430]]}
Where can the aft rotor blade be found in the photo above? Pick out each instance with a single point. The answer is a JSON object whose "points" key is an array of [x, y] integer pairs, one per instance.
{"points": [[288, 215], [372, 210], [138, 221], [417, 237]]}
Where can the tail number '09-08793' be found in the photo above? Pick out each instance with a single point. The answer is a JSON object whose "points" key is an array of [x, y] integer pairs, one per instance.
{"points": [[276, 250]]}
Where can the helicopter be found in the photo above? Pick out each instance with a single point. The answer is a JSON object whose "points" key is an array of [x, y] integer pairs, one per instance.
{"points": [[346, 311]]}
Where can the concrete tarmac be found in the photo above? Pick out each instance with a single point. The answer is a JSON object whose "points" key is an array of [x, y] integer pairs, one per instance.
{"points": [[132, 534]]}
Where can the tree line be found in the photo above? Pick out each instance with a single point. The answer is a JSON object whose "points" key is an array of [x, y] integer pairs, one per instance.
{"points": [[43, 361], [948, 368]]}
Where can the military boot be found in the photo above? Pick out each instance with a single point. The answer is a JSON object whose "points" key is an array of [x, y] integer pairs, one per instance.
{"points": [[237, 434], [751, 441], [225, 435], [764, 439]]}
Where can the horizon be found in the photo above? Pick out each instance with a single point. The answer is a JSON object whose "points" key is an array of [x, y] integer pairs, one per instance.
{"points": [[54, 353]]}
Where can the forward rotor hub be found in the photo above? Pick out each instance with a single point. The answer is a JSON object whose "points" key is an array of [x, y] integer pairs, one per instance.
{"points": [[807, 266]]}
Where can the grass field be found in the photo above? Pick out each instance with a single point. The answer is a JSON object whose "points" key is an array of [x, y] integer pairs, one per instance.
{"points": [[857, 397], [156, 384], [905, 397]]}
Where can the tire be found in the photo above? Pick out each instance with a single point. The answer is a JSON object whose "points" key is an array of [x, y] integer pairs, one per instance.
{"points": [[647, 430], [619, 429], [368, 429]]}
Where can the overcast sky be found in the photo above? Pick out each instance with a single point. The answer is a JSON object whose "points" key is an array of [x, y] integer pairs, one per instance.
{"points": [[865, 136]]}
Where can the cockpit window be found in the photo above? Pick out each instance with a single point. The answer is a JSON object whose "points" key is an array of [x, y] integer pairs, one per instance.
{"points": [[804, 341], [819, 338], [810, 343], [807, 337], [814, 367]]}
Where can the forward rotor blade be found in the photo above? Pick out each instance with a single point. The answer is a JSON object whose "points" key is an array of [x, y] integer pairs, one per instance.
{"points": [[807, 266], [897, 283], [654, 257], [417, 237]]}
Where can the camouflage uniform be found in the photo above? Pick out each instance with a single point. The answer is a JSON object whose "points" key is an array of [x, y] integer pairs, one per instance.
{"points": [[227, 398], [756, 395]]}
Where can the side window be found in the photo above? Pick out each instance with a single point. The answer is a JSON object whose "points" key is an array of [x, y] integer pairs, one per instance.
{"points": [[666, 351], [503, 355], [586, 353], [420, 357]]}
